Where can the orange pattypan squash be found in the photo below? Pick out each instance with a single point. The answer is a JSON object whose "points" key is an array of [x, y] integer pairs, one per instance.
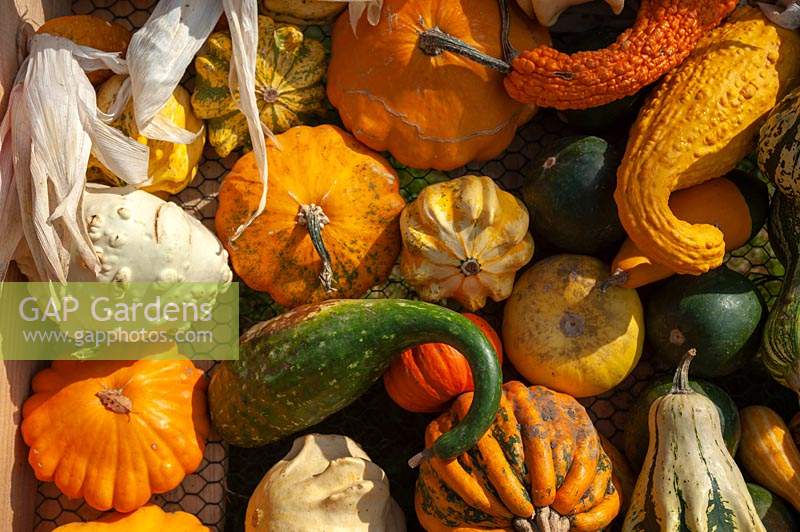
{"points": [[93, 32], [115, 432], [426, 377], [397, 90], [148, 518], [331, 224]]}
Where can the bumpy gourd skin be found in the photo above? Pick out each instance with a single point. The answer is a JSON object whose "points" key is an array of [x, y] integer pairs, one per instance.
{"points": [[542, 455], [697, 125], [663, 35]]}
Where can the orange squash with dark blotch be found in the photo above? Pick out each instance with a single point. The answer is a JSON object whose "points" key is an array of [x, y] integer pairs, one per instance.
{"points": [[116, 432], [426, 377], [540, 461], [331, 224], [395, 90]]}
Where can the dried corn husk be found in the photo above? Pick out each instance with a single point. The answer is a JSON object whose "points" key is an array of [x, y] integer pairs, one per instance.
{"points": [[785, 13], [357, 8], [49, 129], [170, 39]]}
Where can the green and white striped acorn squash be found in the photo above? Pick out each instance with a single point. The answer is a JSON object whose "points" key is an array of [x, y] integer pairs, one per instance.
{"points": [[689, 481], [780, 342], [779, 145], [289, 88]]}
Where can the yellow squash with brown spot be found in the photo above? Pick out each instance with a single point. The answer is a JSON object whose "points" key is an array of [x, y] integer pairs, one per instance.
{"points": [[464, 239], [171, 166], [697, 125], [540, 466], [565, 329]]}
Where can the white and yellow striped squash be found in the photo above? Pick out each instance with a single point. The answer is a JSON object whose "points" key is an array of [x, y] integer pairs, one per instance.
{"points": [[689, 481], [289, 88]]}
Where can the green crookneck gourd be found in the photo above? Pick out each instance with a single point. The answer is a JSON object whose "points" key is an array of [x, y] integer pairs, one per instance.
{"points": [[689, 481]]}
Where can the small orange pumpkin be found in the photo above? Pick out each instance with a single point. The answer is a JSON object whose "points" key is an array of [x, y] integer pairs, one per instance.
{"points": [[426, 377], [397, 91], [149, 518], [331, 224], [91, 31], [115, 432]]}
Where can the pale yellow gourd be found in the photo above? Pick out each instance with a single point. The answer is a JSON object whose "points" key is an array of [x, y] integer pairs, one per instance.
{"points": [[547, 11], [326, 483], [464, 239]]}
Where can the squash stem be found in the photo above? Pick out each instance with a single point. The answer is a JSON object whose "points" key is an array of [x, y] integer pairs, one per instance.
{"points": [[680, 383], [115, 401], [434, 41], [618, 278], [314, 219], [509, 52]]}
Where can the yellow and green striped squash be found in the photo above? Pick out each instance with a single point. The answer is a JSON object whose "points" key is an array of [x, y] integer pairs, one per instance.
{"points": [[289, 88]]}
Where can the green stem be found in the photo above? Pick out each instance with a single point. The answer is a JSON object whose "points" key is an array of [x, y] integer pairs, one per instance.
{"points": [[314, 219], [509, 52], [434, 42]]}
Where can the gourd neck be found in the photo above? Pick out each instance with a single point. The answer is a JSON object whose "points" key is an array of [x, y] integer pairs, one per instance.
{"points": [[543, 520], [314, 219], [115, 401], [680, 383], [434, 41]]}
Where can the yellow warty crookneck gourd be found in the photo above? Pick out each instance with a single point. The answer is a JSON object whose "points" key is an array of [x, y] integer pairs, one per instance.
{"points": [[698, 124]]}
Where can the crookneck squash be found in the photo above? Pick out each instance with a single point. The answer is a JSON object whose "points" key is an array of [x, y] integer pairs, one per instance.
{"points": [[399, 87], [93, 32], [769, 454], [325, 482], [289, 71], [642, 54], [330, 228], [149, 518], [697, 125], [780, 344], [636, 429], [540, 467], [689, 480], [569, 191], [718, 313], [736, 204], [426, 377], [115, 432], [464, 239], [565, 329], [548, 11], [171, 166], [298, 368], [303, 11], [779, 145]]}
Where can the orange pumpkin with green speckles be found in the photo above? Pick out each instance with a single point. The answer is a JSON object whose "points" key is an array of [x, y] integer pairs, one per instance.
{"points": [[331, 224], [541, 461]]}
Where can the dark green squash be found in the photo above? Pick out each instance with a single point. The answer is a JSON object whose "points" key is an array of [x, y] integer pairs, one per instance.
{"points": [[780, 350], [718, 313], [569, 191], [604, 117], [636, 431], [298, 368], [775, 514]]}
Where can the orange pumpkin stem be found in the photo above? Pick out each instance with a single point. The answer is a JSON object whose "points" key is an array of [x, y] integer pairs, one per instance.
{"points": [[115, 401], [544, 520], [314, 219]]}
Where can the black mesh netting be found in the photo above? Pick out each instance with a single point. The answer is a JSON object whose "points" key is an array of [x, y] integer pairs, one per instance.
{"points": [[219, 490]]}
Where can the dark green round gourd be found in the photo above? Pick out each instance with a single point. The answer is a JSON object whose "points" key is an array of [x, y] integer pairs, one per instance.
{"points": [[718, 313], [774, 513], [604, 117], [569, 192], [778, 146], [636, 430]]}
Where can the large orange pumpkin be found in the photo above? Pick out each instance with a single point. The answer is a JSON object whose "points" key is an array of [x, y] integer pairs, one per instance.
{"points": [[115, 432], [428, 376], [540, 466], [430, 108], [148, 518], [331, 224]]}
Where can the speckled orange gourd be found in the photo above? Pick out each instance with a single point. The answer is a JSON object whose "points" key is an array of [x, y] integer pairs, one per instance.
{"points": [[663, 35], [541, 460], [697, 125]]}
